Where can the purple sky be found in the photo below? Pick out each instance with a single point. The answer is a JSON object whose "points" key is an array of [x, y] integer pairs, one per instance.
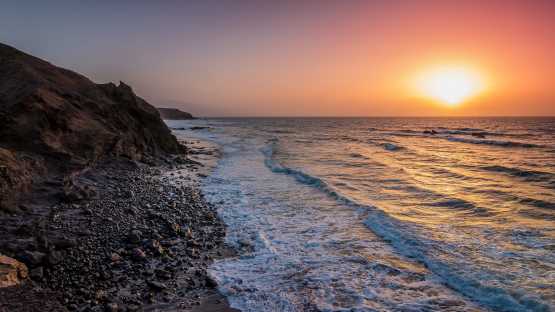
{"points": [[293, 57]]}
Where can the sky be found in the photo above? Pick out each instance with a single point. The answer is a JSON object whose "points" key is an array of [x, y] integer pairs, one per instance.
{"points": [[300, 58]]}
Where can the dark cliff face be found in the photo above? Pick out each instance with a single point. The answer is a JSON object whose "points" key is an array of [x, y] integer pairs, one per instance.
{"points": [[55, 120], [174, 114]]}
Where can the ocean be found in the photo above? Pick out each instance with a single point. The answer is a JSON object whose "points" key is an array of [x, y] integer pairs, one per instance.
{"points": [[384, 214]]}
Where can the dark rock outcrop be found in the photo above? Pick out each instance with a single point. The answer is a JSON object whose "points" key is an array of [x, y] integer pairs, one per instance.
{"points": [[55, 121], [174, 114]]}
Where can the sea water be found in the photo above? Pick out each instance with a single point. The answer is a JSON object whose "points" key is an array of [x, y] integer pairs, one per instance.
{"points": [[384, 214]]}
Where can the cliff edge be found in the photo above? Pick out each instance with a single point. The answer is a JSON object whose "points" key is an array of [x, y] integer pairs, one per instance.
{"points": [[55, 121]]}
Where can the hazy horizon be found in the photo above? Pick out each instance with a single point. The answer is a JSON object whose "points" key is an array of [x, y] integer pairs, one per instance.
{"points": [[378, 117], [303, 58]]}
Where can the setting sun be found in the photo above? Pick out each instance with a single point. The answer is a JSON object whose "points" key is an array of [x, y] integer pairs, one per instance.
{"points": [[244, 156], [450, 85]]}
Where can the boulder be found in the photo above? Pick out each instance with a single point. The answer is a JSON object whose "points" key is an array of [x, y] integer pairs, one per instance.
{"points": [[64, 243], [54, 257], [12, 272], [37, 273], [32, 258]]}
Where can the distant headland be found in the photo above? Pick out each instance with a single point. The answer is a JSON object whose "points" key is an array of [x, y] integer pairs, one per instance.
{"points": [[173, 114]]}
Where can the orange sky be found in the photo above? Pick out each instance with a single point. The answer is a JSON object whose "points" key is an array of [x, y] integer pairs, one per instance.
{"points": [[299, 58]]}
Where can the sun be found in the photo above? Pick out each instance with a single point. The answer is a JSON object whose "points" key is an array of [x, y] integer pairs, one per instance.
{"points": [[450, 85]]}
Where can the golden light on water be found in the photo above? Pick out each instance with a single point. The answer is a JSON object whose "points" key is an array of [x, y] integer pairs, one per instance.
{"points": [[450, 85]]}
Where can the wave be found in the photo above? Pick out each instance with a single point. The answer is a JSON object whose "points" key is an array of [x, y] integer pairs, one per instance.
{"points": [[281, 131], [454, 203], [538, 203], [304, 141], [408, 131], [477, 134], [527, 175], [346, 138], [404, 238], [462, 205], [455, 276], [494, 142], [540, 214], [387, 144], [483, 133], [357, 155], [442, 131], [403, 133], [300, 176], [469, 129]]}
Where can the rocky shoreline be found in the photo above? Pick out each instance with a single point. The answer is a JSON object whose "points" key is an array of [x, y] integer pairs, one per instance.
{"points": [[100, 208], [140, 241]]}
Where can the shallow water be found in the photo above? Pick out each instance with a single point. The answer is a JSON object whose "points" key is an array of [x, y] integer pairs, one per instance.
{"points": [[378, 214]]}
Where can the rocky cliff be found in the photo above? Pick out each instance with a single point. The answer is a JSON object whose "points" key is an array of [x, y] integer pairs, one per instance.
{"points": [[54, 121], [173, 114]]}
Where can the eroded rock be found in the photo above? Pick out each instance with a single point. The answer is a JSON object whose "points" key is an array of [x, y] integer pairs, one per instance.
{"points": [[12, 272]]}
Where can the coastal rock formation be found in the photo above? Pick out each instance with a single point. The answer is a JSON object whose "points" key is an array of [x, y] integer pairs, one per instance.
{"points": [[174, 114], [55, 121]]}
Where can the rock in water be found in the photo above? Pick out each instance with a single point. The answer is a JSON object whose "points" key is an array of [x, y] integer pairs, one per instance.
{"points": [[12, 272], [391, 147], [174, 114], [53, 120]]}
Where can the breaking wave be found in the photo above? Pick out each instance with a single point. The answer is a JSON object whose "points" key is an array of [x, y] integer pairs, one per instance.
{"points": [[405, 238], [494, 142], [527, 175]]}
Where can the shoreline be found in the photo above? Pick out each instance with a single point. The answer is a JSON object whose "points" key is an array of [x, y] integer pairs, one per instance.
{"points": [[143, 241]]}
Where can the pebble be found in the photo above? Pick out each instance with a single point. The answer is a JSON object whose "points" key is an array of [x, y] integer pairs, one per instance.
{"points": [[138, 254], [115, 257], [97, 265], [55, 257], [135, 236], [111, 307], [37, 274], [156, 285]]}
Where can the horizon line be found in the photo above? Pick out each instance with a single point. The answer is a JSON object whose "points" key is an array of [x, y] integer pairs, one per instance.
{"points": [[385, 116]]}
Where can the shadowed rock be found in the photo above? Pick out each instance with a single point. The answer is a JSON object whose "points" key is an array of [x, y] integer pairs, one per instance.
{"points": [[55, 121], [174, 114]]}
